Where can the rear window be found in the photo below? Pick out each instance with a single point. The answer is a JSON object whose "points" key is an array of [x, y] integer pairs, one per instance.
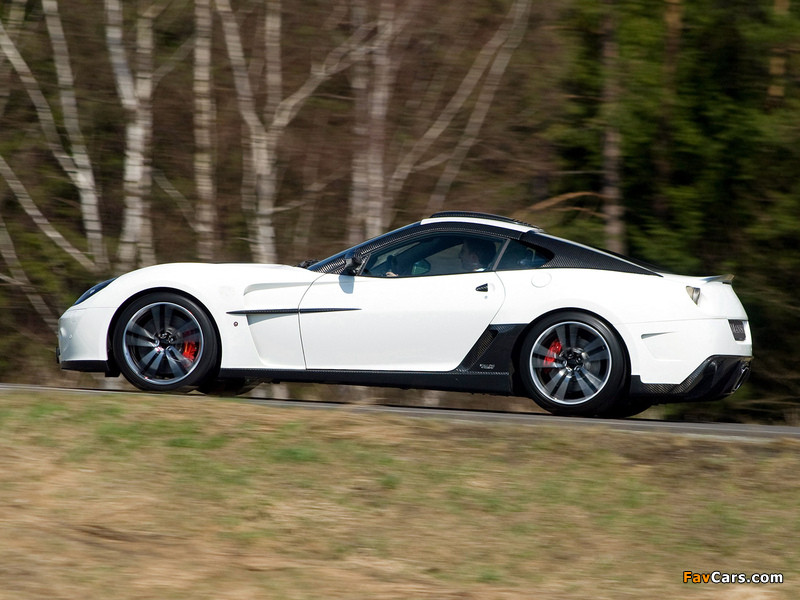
{"points": [[519, 256]]}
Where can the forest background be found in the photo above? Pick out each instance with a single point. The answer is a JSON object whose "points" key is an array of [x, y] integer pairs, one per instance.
{"points": [[133, 133]]}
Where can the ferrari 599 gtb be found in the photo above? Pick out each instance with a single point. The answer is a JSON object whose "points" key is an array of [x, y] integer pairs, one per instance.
{"points": [[458, 301]]}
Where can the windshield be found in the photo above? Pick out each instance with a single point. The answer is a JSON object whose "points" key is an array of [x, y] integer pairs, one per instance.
{"points": [[332, 263]]}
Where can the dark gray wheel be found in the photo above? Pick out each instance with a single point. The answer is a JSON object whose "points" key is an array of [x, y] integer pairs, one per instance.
{"points": [[165, 342], [573, 364]]}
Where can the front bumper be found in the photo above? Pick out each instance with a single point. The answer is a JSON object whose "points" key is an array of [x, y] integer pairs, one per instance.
{"points": [[82, 340], [716, 377], [90, 366]]}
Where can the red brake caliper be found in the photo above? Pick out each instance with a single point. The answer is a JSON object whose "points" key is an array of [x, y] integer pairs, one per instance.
{"points": [[190, 350], [552, 352]]}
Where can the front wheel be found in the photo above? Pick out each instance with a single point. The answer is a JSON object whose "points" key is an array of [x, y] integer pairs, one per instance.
{"points": [[572, 363], [165, 342]]}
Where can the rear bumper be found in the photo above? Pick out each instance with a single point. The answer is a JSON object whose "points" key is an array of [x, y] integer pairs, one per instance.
{"points": [[716, 377], [669, 352]]}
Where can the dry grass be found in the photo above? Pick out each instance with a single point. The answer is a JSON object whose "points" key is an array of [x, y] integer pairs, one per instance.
{"points": [[135, 496]]}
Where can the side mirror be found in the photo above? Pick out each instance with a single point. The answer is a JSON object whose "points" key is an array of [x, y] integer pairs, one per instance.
{"points": [[352, 263]]}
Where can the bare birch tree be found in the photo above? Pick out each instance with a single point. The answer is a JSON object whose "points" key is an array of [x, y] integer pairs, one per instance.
{"points": [[359, 185], [613, 210], [14, 22], [272, 53], [258, 165], [75, 163], [203, 130], [135, 92], [380, 90], [84, 176], [264, 135], [484, 75]]}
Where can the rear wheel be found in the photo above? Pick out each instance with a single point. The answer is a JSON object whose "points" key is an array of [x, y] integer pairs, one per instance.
{"points": [[573, 364], [165, 342]]}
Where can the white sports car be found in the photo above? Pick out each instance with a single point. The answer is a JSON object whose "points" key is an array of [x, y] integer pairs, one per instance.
{"points": [[459, 301]]}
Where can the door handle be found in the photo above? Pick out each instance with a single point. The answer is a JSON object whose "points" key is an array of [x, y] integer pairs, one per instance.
{"points": [[482, 288]]}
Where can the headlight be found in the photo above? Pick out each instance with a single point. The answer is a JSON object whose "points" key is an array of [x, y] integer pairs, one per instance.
{"points": [[93, 290], [694, 293]]}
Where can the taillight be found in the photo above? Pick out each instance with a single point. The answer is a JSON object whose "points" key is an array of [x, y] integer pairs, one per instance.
{"points": [[694, 293]]}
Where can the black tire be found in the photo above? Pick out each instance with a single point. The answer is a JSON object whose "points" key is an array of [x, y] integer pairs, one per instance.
{"points": [[572, 363], [165, 342]]}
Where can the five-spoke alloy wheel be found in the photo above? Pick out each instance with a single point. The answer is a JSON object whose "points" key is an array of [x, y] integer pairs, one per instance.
{"points": [[573, 364], [165, 342]]}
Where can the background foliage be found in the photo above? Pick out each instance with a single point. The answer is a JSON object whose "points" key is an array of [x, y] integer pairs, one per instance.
{"points": [[704, 96]]}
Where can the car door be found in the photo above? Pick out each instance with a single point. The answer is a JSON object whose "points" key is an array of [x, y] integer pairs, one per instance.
{"points": [[426, 318]]}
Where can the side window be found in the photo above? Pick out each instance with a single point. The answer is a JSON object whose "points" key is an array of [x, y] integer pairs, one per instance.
{"points": [[438, 254], [519, 256]]}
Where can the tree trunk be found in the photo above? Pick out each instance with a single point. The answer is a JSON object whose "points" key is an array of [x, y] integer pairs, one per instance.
{"points": [[85, 175], [16, 17], [264, 139], [259, 161], [265, 160], [77, 166], [673, 17], [248, 193], [136, 238], [378, 106], [777, 62], [612, 206], [272, 53], [203, 127], [144, 117], [359, 186]]}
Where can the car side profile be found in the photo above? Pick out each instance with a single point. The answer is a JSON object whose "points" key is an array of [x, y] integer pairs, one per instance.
{"points": [[459, 301]]}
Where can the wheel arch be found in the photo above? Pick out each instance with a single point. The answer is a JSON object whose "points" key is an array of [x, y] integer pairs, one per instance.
{"points": [[112, 360], [518, 386]]}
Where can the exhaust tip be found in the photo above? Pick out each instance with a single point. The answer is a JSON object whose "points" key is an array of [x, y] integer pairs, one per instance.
{"points": [[744, 373]]}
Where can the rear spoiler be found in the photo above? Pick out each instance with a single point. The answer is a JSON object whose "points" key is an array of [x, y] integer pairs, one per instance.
{"points": [[720, 278]]}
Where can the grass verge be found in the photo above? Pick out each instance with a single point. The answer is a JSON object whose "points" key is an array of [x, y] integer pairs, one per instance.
{"points": [[161, 497]]}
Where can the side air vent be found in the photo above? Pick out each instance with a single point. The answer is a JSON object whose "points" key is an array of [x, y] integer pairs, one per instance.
{"points": [[481, 346]]}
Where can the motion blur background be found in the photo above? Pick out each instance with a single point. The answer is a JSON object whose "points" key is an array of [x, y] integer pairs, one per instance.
{"points": [[133, 133]]}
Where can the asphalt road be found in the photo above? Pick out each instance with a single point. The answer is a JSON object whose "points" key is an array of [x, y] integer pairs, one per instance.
{"points": [[716, 430]]}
